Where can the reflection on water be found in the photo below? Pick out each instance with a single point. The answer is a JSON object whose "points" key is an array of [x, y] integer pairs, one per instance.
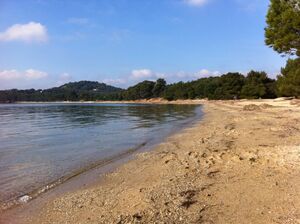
{"points": [[43, 142]]}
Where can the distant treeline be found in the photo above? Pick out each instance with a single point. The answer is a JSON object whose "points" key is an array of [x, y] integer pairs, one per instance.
{"points": [[73, 91], [228, 86]]}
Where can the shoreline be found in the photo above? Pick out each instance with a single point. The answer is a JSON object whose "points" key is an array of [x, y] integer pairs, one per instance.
{"points": [[237, 165], [66, 184], [13, 203], [125, 154], [144, 101], [86, 179]]}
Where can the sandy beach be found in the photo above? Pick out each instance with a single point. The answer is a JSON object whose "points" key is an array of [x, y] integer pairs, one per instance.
{"points": [[239, 164]]}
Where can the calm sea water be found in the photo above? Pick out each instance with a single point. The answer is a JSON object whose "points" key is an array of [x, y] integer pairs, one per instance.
{"points": [[41, 143]]}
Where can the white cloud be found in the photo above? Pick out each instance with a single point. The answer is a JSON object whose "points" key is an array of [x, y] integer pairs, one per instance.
{"points": [[135, 76], [206, 73], [9, 74], [30, 32], [139, 75], [35, 74], [142, 74], [186, 76], [29, 74], [180, 75], [197, 3]]}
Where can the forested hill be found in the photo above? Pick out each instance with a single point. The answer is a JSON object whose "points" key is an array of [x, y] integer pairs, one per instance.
{"points": [[225, 87], [89, 86], [73, 91]]}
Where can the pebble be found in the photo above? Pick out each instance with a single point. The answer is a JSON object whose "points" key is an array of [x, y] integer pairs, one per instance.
{"points": [[25, 199]]}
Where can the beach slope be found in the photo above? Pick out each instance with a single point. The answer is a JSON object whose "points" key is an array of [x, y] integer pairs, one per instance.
{"points": [[240, 164]]}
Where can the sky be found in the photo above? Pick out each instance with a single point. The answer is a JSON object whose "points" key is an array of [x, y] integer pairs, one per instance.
{"points": [[46, 43]]}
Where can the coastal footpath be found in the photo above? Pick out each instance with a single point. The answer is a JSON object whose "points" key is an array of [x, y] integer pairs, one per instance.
{"points": [[239, 164]]}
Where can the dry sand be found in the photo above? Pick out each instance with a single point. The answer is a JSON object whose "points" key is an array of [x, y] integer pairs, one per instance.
{"points": [[240, 164]]}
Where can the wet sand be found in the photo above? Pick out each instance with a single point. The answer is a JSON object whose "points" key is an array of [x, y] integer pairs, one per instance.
{"points": [[240, 164]]}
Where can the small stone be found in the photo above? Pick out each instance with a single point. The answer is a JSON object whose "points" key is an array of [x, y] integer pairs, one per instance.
{"points": [[25, 199]]}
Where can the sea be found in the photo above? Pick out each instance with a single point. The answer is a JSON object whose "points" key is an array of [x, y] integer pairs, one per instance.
{"points": [[43, 145]]}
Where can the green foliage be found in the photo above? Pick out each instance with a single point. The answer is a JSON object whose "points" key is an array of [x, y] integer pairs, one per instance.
{"points": [[176, 91], [283, 34], [82, 86], [230, 86], [225, 87], [83, 90], [142, 90], [258, 85], [205, 87], [159, 87], [289, 82], [283, 26]]}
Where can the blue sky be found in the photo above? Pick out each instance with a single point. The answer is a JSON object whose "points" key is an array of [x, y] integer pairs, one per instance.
{"points": [[45, 43]]}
